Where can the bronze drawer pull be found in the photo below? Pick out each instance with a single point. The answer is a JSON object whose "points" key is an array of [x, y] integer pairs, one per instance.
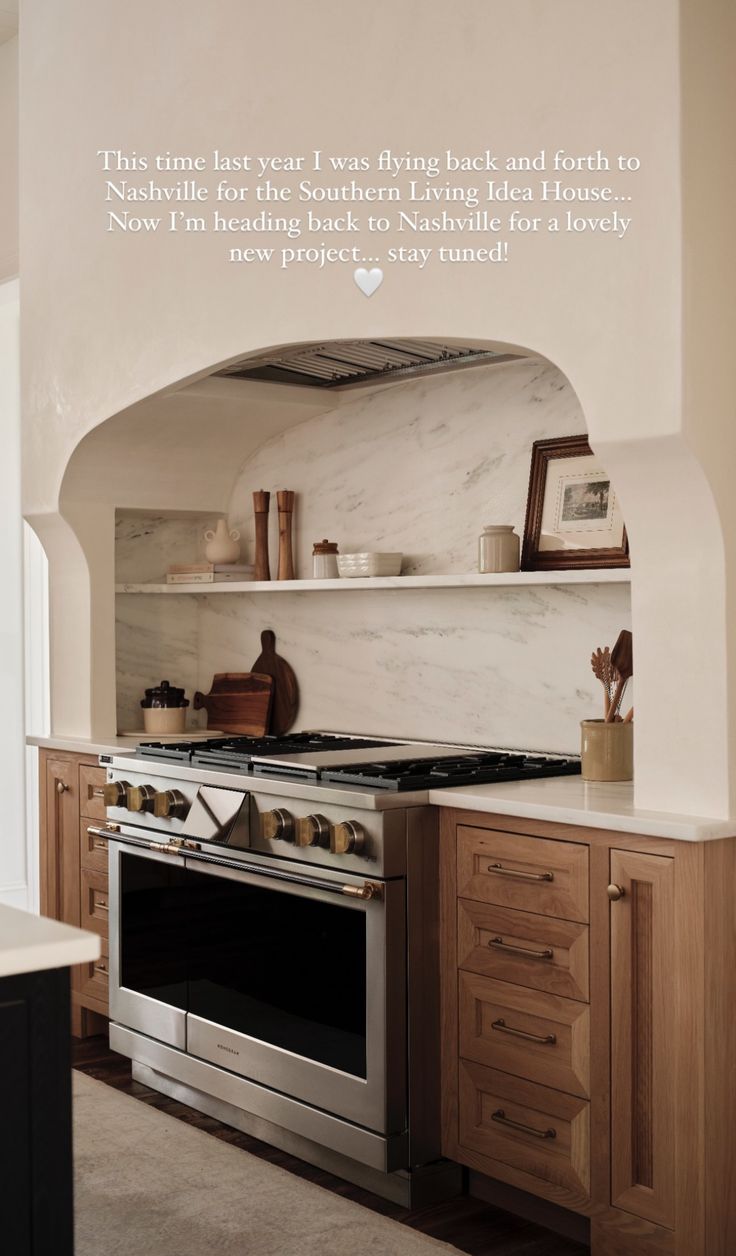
{"points": [[499, 871], [95, 791], [500, 1116], [102, 906], [547, 1040], [99, 845], [100, 968], [547, 953]]}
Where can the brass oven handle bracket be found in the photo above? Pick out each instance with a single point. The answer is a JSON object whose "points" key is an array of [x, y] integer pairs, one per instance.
{"points": [[502, 1119], [499, 943], [546, 1040], [498, 870], [366, 891]]}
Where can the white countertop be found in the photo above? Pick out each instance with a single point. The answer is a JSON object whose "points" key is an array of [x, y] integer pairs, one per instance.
{"points": [[85, 745], [561, 799], [571, 800], [30, 944]]}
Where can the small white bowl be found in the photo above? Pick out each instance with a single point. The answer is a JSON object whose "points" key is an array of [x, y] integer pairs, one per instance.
{"points": [[369, 563]]}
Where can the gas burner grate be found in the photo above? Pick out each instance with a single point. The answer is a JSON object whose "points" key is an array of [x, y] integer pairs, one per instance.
{"points": [[443, 773], [235, 754]]}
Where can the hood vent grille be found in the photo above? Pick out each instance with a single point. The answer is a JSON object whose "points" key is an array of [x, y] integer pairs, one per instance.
{"points": [[345, 363]]}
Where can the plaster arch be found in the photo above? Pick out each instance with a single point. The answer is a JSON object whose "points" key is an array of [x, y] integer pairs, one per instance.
{"points": [[175, 462]]}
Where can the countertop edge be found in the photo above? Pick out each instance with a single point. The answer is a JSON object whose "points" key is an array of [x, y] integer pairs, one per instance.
{"points": [[31, 943]]}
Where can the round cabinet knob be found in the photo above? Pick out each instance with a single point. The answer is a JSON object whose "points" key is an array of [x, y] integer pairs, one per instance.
{"points": [[615, 892], [277, 824], [312, 831], [61, 787], [115, 793], [140, 797], [347, 838], [170, 804]]}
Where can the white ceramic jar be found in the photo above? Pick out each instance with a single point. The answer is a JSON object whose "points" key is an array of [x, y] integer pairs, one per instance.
{"points": [[324, 560], [498, 548]]}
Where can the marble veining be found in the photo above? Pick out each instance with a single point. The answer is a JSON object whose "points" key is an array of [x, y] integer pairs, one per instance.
{"points": [[420, 468]]}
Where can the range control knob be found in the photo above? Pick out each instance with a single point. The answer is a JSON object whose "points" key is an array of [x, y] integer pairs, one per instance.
{"points": [[170, 804], [347, 838], [312, 831], [277, 824], [115, 793], [140, 797]]}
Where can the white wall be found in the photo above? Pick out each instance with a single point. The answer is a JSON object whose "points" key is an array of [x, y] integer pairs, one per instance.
{"points": [[8, 156], [15, 874]]}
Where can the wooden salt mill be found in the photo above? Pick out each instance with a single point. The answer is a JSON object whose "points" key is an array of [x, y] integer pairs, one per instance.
{"points": [[261, 502], [286, 514]]}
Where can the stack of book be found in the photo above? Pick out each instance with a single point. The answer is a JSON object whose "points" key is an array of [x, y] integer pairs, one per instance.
{"points": [[208, 573]]}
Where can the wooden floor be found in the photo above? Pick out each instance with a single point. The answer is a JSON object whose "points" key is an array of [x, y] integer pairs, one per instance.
{"points": [[468, 1224]]}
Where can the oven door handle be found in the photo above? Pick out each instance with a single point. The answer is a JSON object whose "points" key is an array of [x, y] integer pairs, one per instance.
{"points": [[369, 890]]}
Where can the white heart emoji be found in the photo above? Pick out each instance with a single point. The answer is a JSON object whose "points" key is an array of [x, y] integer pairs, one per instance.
{"points": [[368, 280]]}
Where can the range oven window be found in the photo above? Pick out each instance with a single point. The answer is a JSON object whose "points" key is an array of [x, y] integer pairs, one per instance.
{"points": [[283, 968], [154, 927]]}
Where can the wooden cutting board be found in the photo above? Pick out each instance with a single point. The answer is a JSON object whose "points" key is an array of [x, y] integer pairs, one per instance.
{"points": [[238, 702], [286, 690]]}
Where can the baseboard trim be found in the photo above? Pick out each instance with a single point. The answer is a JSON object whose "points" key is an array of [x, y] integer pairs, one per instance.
{"points": [[569, 1224]]}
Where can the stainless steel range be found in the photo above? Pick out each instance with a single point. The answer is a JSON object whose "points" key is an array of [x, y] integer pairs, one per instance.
{"points": [[273, 938]]}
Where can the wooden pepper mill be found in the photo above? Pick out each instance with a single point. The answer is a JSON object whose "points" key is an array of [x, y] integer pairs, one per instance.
{"points": [[286, 515], [261, 502]]}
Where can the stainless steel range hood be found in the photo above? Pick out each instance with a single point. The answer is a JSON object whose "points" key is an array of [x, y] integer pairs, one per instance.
{"points": [[347, 363]]}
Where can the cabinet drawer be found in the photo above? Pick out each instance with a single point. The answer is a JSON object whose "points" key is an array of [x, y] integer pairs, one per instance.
{"points": [[531, 1128], [90, 802], [95, 976], [528, 873], [525, 1032], [95, 901], [522, 948], [92, 850]]}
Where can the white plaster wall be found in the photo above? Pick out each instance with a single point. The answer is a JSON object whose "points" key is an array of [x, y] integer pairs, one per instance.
{"points": [[628, 325], [419, 468], [8, 156], [14, 864]]}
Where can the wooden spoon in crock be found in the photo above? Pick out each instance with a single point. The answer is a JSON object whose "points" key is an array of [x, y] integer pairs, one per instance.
{"points": [[622, 659]]}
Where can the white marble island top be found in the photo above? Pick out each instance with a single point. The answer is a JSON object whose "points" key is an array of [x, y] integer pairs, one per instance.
{"points": [[30, 944], [593, 804]]}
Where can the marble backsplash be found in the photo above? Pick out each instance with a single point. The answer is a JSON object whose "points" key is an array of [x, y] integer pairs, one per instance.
{"points": [[419, 468]]}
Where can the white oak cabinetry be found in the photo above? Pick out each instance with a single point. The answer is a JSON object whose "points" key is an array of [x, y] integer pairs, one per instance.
{"points": [[589, 1034]]}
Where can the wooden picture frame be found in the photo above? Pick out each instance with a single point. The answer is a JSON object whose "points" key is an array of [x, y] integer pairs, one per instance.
{"points": [[577, 509]]}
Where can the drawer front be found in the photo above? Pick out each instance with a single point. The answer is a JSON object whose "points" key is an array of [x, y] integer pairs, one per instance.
{"points": [[531, 1128], [527, 873], [95, 978], [90, 802], [92, 850], [95, 901], [527, 950], [525, 1032]]}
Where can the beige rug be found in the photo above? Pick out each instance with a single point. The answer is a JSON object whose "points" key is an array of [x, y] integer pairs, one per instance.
{"points": [[150, 1185]]}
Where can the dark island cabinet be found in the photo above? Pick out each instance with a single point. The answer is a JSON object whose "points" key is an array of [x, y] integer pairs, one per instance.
{"points": [[36, 1198]]}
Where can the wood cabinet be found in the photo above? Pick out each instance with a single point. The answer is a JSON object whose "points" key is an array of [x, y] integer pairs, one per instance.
{"points": [[589, 1026], [73, 867]]}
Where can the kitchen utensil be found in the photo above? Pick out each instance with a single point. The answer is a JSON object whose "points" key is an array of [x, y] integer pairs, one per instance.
{"points": [[607, 750], [324, 560], [498, 548], [286, 689], [629, 716], [369, 563], [223, 546], [164, 695], [600, 661], [622, 658], [161, 719], [238, 702], [261, 502], [285, 500]]}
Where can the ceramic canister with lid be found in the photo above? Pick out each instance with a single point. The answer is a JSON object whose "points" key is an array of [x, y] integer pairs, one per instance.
{"points": [[498, 548], [324, 560]]}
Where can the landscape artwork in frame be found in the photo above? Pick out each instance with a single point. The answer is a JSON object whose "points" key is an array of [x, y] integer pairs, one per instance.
{"points": [[573, 516]]}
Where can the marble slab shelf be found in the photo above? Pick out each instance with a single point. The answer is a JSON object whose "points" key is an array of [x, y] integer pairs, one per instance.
{"points": [[512, 579]]}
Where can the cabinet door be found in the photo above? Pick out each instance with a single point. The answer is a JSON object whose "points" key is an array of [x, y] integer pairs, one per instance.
{"points": [[642, 1030], [60, 840]]}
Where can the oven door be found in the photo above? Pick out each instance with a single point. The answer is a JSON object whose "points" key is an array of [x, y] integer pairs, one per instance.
{"points": [[298, 985], [149, 931]]}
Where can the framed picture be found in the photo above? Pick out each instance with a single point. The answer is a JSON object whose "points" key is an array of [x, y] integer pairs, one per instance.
{"points": [[573, 517]]}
